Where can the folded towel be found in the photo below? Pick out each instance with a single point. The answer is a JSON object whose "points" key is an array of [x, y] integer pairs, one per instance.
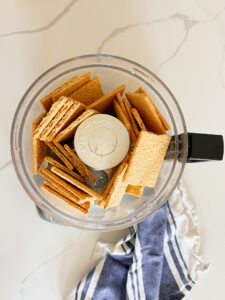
{"points": [[158, 259]]}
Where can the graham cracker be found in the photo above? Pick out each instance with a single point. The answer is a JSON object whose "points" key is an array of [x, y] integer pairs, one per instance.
{"points": [[102, 202], [73, 112], [57, 118], [37, 121], [49, 117], [47, 101], [74, 190], [57, 164], [165, 124], [61, 197], [71, 85], [122, 117], [69, 131], [138, 119], [79, 163], [59, 188], [70, 196], [121, 103], [126, 158], [105, 103], [75, 162], [146, 159], [135, 190], [75, 182], [89, 92], [60, 155], [147, 112], [131, 118], [65, 153], [39, 148], [118, 188]]}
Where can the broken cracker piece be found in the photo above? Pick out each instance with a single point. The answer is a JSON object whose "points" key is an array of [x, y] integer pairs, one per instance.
{"points": [[135, 190], [131, 118], [57, 164], [53, 185], [105, 103], [79, 163], [101, 203], [89, 92], [58, 195], [39, 148], [59, 188], [66, 154], [76, 191], [69, 131], [60, 155], [126, 158], [122, 117], [121, 103], [138, 119], [75, 182], [122, 106], [76, 164], [147, 112], [147, 159], [118, 188]]}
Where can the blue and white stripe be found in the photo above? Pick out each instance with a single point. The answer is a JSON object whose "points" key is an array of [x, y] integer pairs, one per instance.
{"points": [[151, 262]]}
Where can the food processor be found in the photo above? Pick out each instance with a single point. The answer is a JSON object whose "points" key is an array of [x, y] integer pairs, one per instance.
{"points": [[112, 71]]}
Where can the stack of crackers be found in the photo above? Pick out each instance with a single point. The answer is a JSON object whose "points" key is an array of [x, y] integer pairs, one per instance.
{"points": [[52, 139]]}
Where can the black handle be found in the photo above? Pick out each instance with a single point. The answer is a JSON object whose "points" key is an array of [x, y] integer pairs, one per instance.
{"points": [[203, 147]]}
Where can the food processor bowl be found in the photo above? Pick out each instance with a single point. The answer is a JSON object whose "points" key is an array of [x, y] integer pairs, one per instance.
{"points": [[112, 71]]}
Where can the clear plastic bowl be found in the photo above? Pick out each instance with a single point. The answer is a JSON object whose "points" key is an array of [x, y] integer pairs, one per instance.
{"points": [[112, 71]]}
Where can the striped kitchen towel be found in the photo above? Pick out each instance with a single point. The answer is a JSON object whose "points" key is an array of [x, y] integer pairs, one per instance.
{"points": [[158, 259]]}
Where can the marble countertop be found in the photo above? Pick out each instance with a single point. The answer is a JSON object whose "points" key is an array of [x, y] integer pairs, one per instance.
{"points": [[184, 43]]}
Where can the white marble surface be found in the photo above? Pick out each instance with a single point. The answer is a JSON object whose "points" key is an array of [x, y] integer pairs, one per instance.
{"points": [[184, 42]]}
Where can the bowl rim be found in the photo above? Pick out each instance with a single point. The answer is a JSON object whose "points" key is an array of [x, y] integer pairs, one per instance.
{"points": [[114, 225]]}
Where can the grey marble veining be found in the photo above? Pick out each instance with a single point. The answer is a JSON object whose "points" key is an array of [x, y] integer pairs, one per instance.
{"points": [[51, 23], [188, 24], [218, 14], [5, 165], [122, 29], [187, 21]]}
